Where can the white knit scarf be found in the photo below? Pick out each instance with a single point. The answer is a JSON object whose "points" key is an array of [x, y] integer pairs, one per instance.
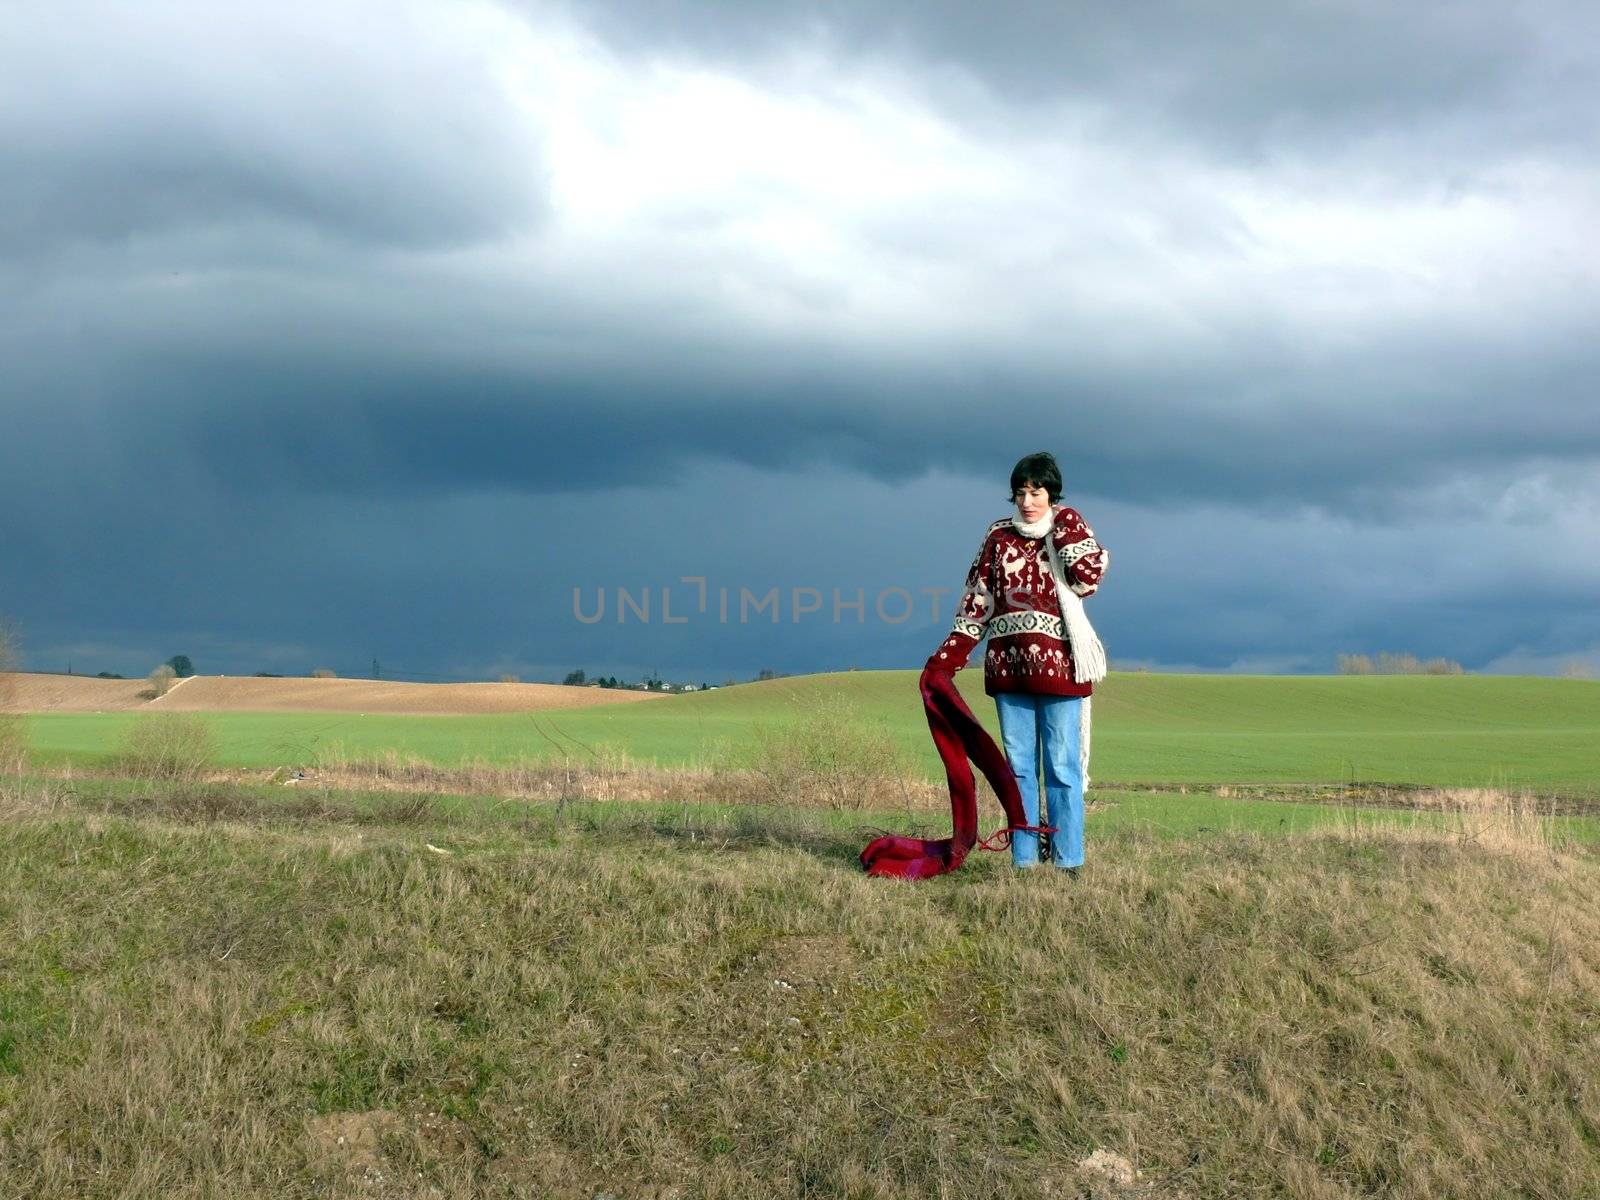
{"points": [[1088, 654]]}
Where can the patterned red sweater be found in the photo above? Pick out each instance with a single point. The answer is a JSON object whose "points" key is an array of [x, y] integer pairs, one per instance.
{"points": [[1010, 597]]}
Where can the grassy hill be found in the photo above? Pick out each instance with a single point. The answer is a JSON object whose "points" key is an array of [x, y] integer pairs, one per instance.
{"points": [[1473, 731]]}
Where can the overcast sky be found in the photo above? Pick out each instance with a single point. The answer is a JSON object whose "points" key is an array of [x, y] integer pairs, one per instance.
{"points": [[387, 329]]}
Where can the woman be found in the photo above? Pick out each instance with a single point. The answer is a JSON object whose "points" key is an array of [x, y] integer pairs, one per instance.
{"points": [[1043, 657]]}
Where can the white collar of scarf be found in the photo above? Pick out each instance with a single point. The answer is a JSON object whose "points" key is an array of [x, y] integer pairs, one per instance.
{"points": [[1034, 529], [1088, 654]]}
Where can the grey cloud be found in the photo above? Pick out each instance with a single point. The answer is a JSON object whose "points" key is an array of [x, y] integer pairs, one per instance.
{"points": [[1244, 80], [116, 123]]}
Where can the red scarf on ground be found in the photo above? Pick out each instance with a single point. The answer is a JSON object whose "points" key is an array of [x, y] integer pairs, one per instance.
{"points": [[958, 736]]}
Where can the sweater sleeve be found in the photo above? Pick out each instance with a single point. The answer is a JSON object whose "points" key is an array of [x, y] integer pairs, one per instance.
{"points": [[973, 612], [1083, 558]]}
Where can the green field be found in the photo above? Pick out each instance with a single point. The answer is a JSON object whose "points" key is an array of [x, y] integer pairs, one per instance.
{"points": [[1468, 731]]}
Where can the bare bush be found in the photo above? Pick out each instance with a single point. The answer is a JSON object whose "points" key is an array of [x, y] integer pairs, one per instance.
{"points": [[168, 745], [830, 755], [161, 680], [324, 673], [508, 677], [1391, 663]]}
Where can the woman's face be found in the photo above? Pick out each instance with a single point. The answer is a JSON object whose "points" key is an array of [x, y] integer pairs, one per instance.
{"points": [[1032, 502]]}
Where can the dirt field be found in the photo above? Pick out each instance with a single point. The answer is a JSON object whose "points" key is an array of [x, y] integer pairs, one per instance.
{"points": [[225, 693], [73, 693]]}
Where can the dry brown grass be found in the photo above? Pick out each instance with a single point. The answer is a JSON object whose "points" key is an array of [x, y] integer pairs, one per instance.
{"points": [[198, 1005], [1496, 819], [788, 777], [205, 986]]}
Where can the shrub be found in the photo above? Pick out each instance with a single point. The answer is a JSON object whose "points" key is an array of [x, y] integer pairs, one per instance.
{"points": [[508, 677], [324, 673], [829, 755], [167, 745], [161, 680]]}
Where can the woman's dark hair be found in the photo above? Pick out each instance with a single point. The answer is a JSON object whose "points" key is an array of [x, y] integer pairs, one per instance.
{"points": [[1041, 471]]}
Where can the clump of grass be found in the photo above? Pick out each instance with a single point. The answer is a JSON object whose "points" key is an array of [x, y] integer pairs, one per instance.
{"points": [[830, 754], [1506, 822], [168, 745]]}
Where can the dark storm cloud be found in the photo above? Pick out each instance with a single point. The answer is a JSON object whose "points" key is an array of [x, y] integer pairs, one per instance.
{"points": [[308, 351], [1373, 431]]}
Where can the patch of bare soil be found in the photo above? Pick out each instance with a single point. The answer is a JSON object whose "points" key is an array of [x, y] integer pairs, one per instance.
{"points": [[802, 963], [390, 1153]]}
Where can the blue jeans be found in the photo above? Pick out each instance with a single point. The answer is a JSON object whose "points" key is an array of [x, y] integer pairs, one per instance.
{"points": [[1026, 721]]}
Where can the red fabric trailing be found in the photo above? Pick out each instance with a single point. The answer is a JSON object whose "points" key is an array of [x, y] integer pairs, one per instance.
{"points": [[958, 736]]}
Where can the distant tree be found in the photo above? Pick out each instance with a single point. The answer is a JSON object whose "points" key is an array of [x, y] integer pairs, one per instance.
{"points": [[181, 666], [268, 675], [765, 673], [107, 675], [574, 679], [161, 680]]}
